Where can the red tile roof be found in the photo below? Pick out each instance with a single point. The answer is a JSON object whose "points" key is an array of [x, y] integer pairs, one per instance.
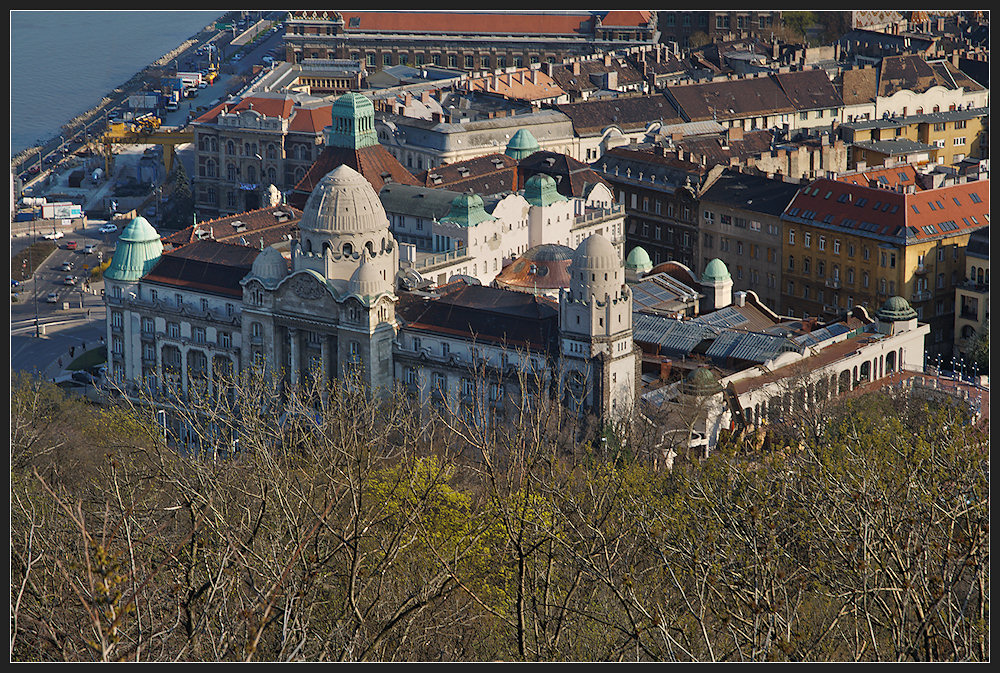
{"points": [[375, 163], [301, 119], [627, 18], [929, 214], [893, 177], [510, 23], [264, 226]]}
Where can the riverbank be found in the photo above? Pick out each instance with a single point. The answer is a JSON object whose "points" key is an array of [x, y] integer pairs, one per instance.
{"points": [[113, 99]]}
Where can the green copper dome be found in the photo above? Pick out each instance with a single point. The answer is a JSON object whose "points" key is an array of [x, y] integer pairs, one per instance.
{"points": [[139, 247], [467, 211], [701, 381], [352, 122], [715, 271], [896, 308], [638, 260], [522, 145], [540, 190]]}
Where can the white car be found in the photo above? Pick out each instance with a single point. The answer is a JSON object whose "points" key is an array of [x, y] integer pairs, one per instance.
{"points": [[108, 228], [55, 235], [52, 297]]}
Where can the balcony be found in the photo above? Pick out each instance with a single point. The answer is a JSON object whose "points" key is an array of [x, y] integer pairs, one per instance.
{"points": [[920, 270], [920, 295], [833, 283]]}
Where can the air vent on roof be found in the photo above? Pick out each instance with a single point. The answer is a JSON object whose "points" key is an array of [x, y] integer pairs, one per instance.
{"points": [[239, 226]]}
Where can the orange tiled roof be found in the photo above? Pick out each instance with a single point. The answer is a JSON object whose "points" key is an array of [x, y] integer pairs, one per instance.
{"points": [[492, 23], [627, 18], [523, 84], [868, 211], [375, 163], [891, 177]]}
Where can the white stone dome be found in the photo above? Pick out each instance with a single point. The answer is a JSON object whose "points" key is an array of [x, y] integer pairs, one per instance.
{"points": [[596, 270], [269, 265], [344, 203], [366, 282], [596, 253]]}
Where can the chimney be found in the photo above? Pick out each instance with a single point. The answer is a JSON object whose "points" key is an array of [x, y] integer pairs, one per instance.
{"points": [[665, 366], [576, 67], [607, 60], [734, 133], [425, 97]]}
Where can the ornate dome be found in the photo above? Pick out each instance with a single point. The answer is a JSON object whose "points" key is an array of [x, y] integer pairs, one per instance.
{"points": [[701, 381], [352, 122], [596, 253], [638, 260], [269, 265], [895, 308], [540, 190], [596, 270], [344, 202], [467, 210], [139, 248], [366, 282], [715, 271], [522, 145]]}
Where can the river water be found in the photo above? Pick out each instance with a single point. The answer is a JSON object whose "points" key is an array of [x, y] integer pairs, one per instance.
{"points": [[64, 62]]}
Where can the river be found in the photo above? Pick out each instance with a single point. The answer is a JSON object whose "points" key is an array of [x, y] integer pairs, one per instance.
{"points": [[63, 62]]}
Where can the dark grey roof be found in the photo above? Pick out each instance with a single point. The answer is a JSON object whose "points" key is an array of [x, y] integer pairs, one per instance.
{"points": [[930, 117], [418, 201], [751, 192], [894, 146], [671, 335], [748, 346], [979, 244]]}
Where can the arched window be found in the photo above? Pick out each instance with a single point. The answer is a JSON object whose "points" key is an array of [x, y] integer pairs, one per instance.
{"points": [[230, 147]]}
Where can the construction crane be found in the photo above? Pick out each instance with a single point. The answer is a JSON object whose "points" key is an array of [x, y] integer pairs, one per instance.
{"points": [[147, 132]]}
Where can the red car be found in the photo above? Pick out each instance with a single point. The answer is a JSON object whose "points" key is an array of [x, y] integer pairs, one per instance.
{"points": [[71, 245]]}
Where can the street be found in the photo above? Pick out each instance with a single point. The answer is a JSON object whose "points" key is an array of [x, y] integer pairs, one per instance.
{"points": [[75, 319]]}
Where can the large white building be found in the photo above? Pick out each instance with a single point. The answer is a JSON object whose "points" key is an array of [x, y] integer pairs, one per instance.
{"points": [[446, 233], [179, 319]]}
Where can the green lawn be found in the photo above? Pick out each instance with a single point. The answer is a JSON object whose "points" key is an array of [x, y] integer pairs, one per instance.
{"points": [[89, 359]]}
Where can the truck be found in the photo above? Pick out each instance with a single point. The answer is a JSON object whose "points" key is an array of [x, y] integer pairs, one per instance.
{"points": [[189, 79]]}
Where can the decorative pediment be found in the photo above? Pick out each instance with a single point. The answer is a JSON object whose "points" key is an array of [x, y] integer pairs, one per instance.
{"points": [[306, 287]]}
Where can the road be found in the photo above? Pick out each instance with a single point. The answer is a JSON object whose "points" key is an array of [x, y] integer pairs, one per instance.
{"points": [[81, 325]]}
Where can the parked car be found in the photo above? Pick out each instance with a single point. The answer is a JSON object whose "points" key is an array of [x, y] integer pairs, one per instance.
{"points": [[54, 235], [71, 245], [108, 228], [52, 297]]}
